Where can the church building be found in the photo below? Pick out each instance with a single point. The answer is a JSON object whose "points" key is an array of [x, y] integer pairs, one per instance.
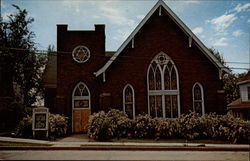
{"points": [[161, 69]]}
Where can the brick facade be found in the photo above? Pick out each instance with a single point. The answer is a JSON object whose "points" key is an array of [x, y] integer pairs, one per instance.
{"points": [[158, 34]]}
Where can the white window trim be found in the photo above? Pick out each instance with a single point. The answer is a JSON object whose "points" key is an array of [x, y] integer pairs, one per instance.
{"points": [[202, 97], [164, 92], [133, 97], [81, 97]]}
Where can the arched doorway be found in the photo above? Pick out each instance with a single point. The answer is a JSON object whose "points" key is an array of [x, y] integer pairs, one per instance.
{"points": [[80, 108]]}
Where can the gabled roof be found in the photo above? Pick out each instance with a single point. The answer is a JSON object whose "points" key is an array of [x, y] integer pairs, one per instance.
{"points": [[186, 30], [245, 79], [238, 104]]}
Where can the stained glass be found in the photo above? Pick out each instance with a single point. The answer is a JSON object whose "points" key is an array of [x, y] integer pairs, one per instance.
{"points": [[129, 110], [159, 106], [77, 92], [78, 100], [81, 54], [151, 79], [173, 79], [163, 87], [174, 106], [152, 106], [166, 79], [128, 95], [158, 79], [198, 107], [197, 92], [85, 92], [168, 106], [129, 101], [197, 99]]}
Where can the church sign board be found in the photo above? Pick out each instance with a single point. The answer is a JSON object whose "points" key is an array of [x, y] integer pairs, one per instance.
{"points": [[40, 119]]}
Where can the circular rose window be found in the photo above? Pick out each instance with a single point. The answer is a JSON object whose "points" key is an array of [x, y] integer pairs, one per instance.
{"points": [[81, 54]]}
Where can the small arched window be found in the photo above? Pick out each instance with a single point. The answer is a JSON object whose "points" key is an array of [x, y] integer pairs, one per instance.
{"points": [[129, 101], [198, 99], [81, 96]]}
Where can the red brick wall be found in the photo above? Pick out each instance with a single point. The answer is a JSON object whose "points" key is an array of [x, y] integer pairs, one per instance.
{"points": [[69, 72], [160, 33]]}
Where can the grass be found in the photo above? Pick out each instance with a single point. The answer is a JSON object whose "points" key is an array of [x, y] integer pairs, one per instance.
{"points": [[15, 144]]}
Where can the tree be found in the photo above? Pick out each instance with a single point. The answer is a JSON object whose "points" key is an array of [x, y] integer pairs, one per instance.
{"points": [[21, 65], [230, 80], [230, 86]]}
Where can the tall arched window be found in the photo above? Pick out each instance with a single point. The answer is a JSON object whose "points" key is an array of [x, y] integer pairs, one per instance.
{"points": [[129, 101], [198, 98], [81, 96], [163, 87]]}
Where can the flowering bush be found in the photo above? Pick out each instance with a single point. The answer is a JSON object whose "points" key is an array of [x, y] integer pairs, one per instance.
{"points": [[144, 126], [167, 128], [58, 125], [105, 126]]}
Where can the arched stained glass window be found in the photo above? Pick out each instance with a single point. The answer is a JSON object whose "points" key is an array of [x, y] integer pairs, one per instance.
{"points": [[198, 99], [163, 101], [81, 96], [129, 101]]}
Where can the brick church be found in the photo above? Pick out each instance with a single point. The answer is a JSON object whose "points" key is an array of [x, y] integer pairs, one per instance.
{"points": [[161, 69]]}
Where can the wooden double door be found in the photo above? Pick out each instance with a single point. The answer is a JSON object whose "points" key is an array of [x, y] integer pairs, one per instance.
{"points": [[80, 120]]}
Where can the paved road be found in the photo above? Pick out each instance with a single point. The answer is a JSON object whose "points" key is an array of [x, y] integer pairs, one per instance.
{"points": [[124, 155]]}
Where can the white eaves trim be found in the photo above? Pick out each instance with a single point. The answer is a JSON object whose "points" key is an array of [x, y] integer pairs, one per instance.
{"points": [[187, 31]]}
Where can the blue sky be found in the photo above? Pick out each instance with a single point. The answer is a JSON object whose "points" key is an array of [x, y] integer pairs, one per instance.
{"points": [[223, 25]]}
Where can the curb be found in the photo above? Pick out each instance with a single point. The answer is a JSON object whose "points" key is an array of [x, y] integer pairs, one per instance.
{"points": [[128, 148]]}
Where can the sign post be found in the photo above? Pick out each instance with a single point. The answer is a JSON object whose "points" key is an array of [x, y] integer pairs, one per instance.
{"points": [[40, 120]]}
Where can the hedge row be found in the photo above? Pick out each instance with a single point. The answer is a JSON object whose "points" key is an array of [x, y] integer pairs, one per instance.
{"points": [[116, 124]]}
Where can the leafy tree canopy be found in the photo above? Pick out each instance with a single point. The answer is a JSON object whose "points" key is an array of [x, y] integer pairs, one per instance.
{"points": [[21, 65]]}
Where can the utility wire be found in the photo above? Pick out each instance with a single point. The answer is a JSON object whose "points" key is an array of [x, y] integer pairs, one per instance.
{"points": [[69, 54]]}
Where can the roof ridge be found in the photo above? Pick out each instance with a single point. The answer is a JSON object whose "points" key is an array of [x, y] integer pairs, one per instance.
{"points": [[179, 22]]}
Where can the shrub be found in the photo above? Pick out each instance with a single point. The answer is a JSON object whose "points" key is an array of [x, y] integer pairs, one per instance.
{"points": [[167, 128], [24, 128], [105, 126], [115, 124], [144, 126], [58, 125]]}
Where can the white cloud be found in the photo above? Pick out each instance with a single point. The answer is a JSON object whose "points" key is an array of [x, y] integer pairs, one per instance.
{"points": [[121, 35], [96, 16], [75, 5], [197, 30], [116, 17], [221, 42], [237, 33], [191, 1], [223, 22], [240, 7], [140, 17]]}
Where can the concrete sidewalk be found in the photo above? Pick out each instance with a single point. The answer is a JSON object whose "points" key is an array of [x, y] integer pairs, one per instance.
{"points": [[75, 142]]}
